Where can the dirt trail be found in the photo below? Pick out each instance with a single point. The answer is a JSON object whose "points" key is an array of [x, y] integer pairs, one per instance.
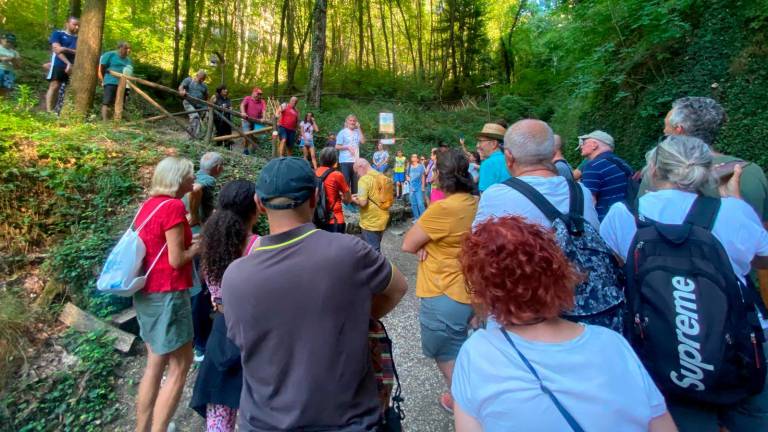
{"points": [[420, 379]]}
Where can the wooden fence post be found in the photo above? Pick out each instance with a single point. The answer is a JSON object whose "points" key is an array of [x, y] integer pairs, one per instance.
{"points": [[120, 99], [209, 131]]}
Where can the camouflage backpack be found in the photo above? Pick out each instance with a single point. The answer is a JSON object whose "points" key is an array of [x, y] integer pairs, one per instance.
{"points": [[599, 298]]}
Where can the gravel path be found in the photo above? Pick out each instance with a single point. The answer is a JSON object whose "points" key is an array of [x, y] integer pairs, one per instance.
{"points": [[421, 381]]}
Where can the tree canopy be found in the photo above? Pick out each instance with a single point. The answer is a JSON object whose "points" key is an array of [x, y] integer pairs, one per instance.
{"points": [[609, 64]]}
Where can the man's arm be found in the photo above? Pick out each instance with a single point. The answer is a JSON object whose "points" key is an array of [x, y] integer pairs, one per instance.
{"points": [[662, 423], [362, 136], [182, 88], [383, 302], [58, 49], [340, 138], [242, 109], [195, 198], [465, 422], [361, 198], [102, 71]]}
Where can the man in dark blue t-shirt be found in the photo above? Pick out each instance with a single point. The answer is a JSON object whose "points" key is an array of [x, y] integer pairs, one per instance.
{"points": [[63, 45], [606, 175]]}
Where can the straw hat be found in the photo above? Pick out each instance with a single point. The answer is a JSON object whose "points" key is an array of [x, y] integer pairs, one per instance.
{"points": [[492, 131]]}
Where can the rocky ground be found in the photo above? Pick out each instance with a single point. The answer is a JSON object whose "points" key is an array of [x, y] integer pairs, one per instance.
{"points": [[421, 381]]}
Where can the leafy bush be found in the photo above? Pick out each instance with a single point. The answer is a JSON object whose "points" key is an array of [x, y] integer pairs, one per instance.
{"points": [[80, 399]]}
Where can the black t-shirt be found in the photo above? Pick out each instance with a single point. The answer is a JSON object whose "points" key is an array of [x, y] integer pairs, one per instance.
{"points": [[298, 309]]}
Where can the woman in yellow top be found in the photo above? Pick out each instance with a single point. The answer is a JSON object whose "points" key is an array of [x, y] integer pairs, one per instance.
{"points": [[445, 311]]}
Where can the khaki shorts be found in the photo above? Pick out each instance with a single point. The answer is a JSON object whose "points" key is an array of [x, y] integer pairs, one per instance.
{"points": [[165, 319]]}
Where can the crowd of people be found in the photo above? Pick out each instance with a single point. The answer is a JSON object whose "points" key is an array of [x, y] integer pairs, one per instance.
{"points": [[599, 298], [578, 319]]}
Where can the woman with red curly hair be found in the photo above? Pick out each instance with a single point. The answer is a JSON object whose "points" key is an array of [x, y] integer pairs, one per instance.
{"points": [[530, 369]]}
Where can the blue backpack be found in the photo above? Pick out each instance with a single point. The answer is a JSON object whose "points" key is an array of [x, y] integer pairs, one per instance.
{"points": [[598, 300]]}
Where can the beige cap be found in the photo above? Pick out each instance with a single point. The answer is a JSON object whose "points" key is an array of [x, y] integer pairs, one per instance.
{"points": [[598, 135]]}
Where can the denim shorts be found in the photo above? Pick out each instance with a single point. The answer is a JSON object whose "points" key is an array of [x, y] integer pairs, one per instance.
{"points": [[306, 143], [288, 135], [7, 79], [444, 326]]}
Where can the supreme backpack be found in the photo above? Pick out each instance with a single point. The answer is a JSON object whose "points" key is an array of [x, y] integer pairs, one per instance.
{"points": [[323, 211], [690, 319], [601, 291], [383, 192]]}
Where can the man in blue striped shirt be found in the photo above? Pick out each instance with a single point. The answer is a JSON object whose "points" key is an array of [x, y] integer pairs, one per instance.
{"points": [[606, 175]]}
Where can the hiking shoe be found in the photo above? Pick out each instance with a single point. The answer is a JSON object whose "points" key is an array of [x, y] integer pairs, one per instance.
{"points": [[446, 401]]}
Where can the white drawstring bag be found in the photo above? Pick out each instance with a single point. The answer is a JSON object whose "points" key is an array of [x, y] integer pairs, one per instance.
{"points": [[121, 273]]}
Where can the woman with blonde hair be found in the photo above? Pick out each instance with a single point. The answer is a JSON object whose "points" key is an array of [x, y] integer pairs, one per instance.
{"points": [[163, 307]]}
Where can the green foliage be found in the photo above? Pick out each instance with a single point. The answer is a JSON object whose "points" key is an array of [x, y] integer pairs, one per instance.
{"points": [[25, 98], [82, 398], [617, 66]]}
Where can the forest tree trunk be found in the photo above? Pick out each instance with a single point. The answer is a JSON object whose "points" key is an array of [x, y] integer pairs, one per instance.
{"points": [[84, 77], [291, 45], [75, 8], [189, 28], [419, 32], [360, 33], [407, 35], [384, 30], [279, 48], [370, 35], [319, 16], [176, 43]]}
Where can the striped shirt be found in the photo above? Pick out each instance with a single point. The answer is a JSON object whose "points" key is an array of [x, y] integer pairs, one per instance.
{"points": [[606, 180]]}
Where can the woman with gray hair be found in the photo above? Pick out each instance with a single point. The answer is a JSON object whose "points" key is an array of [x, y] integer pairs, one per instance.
{"points": [[679, 169], [163, 307]]}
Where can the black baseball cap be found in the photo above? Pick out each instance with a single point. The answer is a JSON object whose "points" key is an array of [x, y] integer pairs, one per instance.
{"points": [[286, 177]]}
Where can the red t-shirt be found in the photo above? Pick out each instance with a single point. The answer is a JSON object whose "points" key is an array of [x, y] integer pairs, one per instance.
{"points": [[163, 277], [335, 186], [289, 118], [253, 108]]}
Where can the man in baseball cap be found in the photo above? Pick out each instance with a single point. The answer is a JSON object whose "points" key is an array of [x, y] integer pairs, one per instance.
{"points": [[298, 308], [606, 174], [493, 169], [286, 183]]}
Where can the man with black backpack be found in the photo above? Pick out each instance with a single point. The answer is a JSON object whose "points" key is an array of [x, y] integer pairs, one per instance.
{"points": [[539, 194], [692, 321], [607, 176], [329, 215]]}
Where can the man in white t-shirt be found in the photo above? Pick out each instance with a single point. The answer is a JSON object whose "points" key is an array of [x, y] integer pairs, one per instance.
{"points": [[529, 148], [348, 143]]}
